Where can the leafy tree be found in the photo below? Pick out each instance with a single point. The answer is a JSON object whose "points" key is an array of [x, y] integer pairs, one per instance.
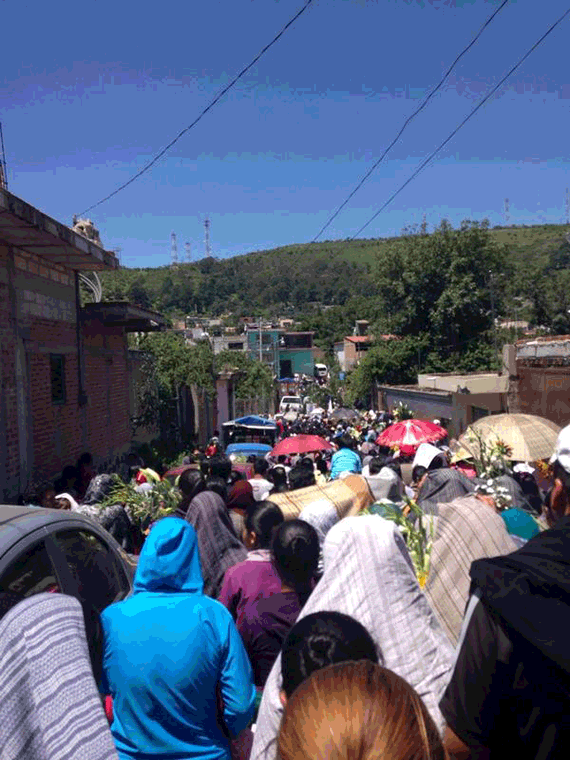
{"points": [[254, 378]]}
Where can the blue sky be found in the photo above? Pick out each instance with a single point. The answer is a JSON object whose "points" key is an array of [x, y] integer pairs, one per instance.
{"points": [[93, 90]]}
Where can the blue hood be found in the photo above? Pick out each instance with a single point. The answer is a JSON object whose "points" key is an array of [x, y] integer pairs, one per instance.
{"points": [[170, 560]]}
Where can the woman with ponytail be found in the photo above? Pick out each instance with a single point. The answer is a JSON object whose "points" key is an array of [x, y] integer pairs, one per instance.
{"points": [[295, 555]]}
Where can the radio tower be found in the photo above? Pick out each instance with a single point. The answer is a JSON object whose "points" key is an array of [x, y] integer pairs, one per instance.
{"points": [[506, 211], [207, 237], [567, 206], [173, 250], [188, 252]]}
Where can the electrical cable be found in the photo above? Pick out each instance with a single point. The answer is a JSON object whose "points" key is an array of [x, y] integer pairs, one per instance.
{"points": [[212, 103], [461, 124], [410, 118]]}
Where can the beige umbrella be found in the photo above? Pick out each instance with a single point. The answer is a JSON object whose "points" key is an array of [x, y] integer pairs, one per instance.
{"points": [[530, 437]]}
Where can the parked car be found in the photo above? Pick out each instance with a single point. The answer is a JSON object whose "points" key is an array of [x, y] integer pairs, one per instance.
{"points": [[49, 550]]}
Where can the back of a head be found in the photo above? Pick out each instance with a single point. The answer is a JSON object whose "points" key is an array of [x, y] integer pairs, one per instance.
{"points": [[295, 553], [301, 477], [376, 464], [217, 485], [260, 466], [220, 467], [262, 518], [278, 476], [361, 711], [345, 441], [321, 639], [191, 483]]}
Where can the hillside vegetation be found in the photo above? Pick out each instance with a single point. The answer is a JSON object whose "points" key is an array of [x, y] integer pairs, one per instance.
{"points": [[441, 293]]}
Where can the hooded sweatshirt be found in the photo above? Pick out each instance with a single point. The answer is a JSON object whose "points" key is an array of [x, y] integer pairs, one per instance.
{"points": [[169, 651]]}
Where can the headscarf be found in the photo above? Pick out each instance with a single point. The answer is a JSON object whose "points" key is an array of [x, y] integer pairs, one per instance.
{"points": [[49, 705], [369, 575], [529, 591], [465, 530], [219, 546], [113, 518], [322, 516], [441, 487], [240, 495], [386, 485]]}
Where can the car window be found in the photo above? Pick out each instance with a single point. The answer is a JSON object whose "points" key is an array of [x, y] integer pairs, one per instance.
{"points": [[99, 575], [31, 572]]}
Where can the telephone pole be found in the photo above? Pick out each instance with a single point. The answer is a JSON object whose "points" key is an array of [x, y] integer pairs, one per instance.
{"points": [[188, 252]]}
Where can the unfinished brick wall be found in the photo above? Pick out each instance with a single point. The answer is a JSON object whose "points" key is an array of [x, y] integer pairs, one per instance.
{"points": [[38, 318]]}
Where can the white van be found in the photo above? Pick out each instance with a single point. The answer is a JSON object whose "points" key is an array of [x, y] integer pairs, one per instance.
{"points": [[321, 371], [291, 404]]}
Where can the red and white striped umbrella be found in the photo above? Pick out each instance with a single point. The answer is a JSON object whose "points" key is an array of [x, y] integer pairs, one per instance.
{"points": [[408, 434]]}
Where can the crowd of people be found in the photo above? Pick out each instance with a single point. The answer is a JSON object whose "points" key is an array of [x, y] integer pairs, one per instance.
{"points": [[254, 632]]}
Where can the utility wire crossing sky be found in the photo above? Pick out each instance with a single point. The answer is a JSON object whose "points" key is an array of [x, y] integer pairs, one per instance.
{"points": [[296, 128]]}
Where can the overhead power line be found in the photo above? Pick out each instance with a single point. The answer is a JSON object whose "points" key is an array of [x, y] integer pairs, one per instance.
{"points": [[418, 110], [209, 107], [462, 123]]}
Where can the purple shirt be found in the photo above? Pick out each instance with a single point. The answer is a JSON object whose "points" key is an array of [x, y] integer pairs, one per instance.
{"points": [[264, 629], [247, 582]]}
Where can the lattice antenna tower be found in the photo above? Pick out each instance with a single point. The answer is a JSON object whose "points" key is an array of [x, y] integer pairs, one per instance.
{"points": [[207, 237], [173, 250], [506, 211], [567, 205], [188, 251], [3, 170]]}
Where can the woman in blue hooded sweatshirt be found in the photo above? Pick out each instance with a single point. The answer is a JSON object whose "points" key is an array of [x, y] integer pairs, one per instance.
{"points": [[171, 656]]}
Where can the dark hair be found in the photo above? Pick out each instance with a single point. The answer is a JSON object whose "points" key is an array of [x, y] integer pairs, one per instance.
{"points": [[191, 483], [262, 518], [300, 477], [204, 466], [282, 458], [234, 477], [84, 459], [345, 441], [217, 485], [260, 466], [418, 472], [220, 466], [321, 639], [375, 465], [295, 553], [307, 463], [278, 476]]}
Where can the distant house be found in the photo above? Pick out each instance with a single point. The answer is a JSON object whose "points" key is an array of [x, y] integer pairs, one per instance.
{"points": [[65, 370]]}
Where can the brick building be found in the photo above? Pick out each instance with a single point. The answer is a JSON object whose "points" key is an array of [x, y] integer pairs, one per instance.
{"points": [[540, 379], [64, 374]]}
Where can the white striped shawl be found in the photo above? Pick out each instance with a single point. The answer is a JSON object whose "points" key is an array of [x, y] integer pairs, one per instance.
{"points": [[49, 705]]}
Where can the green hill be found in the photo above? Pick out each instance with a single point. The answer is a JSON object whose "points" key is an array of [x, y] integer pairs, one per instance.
{"points": [[299, 279]]}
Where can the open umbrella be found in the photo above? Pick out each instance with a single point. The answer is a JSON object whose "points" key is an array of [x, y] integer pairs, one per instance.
{"points": [[529, 436], [408, 434], [301, 444], [343, 414]]}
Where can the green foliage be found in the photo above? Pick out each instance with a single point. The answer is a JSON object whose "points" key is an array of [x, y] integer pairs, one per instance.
{"points": [[254, 378], [393, 362], [144, 508]]}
